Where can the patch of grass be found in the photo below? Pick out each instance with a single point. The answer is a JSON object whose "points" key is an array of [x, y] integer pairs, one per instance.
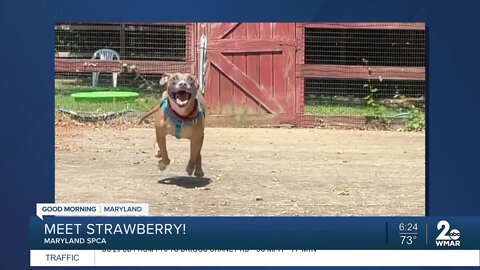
{"points": [[414, 117], [71, 90], [416, 121], [63, 100], [344, 110], [142, 104]]}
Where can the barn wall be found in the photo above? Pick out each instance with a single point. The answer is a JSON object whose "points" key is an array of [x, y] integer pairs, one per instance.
{"points": [[264, 54]]}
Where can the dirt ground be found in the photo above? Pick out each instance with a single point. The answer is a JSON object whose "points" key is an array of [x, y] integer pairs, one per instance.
{"points": [[248, 172]]}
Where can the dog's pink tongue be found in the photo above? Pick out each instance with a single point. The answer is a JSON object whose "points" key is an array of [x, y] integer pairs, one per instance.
{"points": [[181, 102], [181, 98]]}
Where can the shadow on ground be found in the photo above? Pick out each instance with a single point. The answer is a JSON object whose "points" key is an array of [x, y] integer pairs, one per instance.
{"points": [[186, 181]]}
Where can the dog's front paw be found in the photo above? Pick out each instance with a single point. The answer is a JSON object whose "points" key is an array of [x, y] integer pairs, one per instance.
{"points": [[199, 173], [162, 164]]}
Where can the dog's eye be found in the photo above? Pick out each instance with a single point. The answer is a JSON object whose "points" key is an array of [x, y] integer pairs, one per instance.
{"points": [[175, 77]]}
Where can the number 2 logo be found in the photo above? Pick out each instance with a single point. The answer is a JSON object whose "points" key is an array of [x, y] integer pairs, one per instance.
{"points": [[446, 234]]}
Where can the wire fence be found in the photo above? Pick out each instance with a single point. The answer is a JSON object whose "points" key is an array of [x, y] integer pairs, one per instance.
{"points": [[153, 48], [146, 51], [364, 73], [349, 71], [382, 47], [353, 92]]}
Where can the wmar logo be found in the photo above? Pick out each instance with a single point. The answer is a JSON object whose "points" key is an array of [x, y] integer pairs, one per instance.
{"points": [[447, 237]]}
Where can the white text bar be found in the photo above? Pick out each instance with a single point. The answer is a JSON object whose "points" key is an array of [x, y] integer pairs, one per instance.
{"points": [[255, 258]]}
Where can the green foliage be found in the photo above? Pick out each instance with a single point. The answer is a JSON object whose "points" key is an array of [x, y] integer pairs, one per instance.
{"points": [[370, 99], [330, 109], [416, 121]]}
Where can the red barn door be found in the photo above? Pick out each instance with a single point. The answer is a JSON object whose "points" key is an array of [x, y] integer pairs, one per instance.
{"points": [[251, 68]]}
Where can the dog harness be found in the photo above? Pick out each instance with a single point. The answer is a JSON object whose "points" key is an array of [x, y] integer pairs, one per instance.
{"points": [[181, 121]]}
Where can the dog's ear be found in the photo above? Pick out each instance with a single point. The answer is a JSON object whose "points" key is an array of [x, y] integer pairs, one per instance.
{"points": [[165, 78]]}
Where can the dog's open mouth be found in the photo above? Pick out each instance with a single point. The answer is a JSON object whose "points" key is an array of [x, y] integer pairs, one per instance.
{"points": [[181, 98]]}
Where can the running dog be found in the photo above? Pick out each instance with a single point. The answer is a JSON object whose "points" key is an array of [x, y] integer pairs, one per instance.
{"points": [[181, 113]]}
